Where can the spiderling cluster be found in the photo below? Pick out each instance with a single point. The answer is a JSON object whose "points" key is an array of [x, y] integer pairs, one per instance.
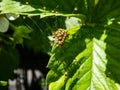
{"points": [[60, 35]]}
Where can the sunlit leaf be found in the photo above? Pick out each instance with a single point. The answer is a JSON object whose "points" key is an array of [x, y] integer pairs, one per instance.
{"points": [[20, 33], [4, 24], [40, 8], [85, 69], [3, 83]]}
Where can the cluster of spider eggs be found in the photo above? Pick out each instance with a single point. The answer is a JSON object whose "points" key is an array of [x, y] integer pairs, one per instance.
{"points": [[60, 35]]}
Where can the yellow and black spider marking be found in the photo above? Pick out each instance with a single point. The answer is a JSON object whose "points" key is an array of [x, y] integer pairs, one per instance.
{"points": [[60, 35]]}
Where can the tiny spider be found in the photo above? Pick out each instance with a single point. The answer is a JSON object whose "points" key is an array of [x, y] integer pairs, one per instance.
{"points": [[60, 35]]}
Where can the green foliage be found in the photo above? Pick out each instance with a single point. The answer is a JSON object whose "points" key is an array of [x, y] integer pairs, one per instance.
{"points": [[89, 57], [92, 67], [4, 24], [3, 83], [9, 60], [20, 32]]}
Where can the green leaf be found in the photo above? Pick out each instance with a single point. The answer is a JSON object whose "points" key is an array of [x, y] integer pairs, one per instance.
{"points": [[85, 67], [72, 22], [57, 59], [109, 10], [32, 9], [3, 83], [10, 6], [58, 85], [113, 51], [93, 67], [4, 24], [20, 33]]}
